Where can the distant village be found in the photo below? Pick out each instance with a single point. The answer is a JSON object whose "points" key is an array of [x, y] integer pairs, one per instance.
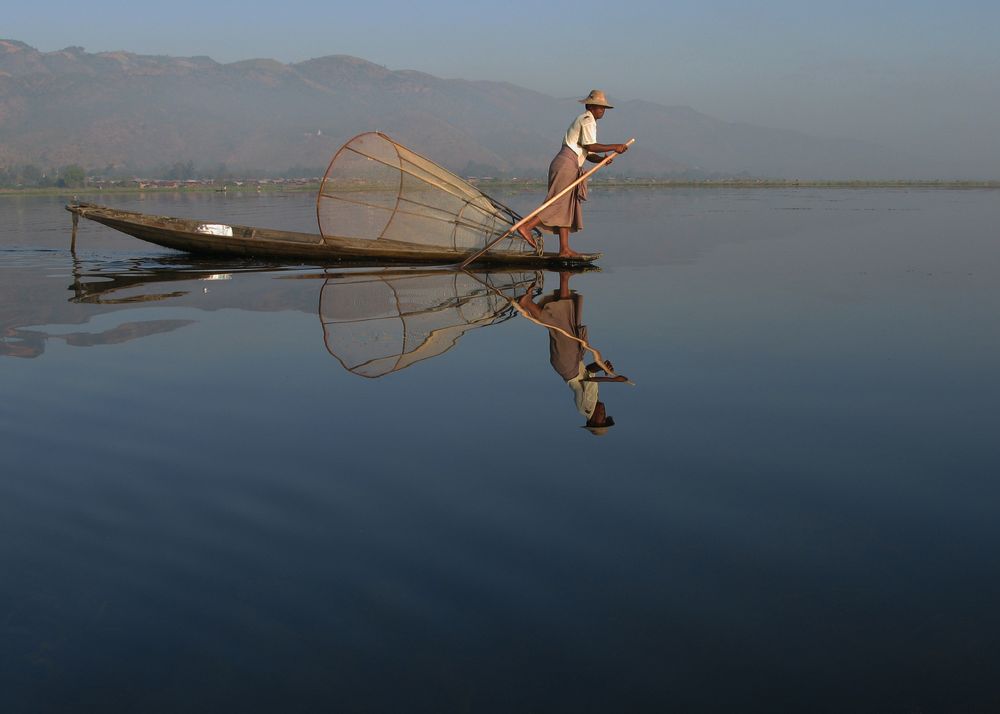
{"points": [[207, 183]]}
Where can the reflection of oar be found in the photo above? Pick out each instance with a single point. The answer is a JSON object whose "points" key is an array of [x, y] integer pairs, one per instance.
{"points": [[541, 208], [586, 345]]}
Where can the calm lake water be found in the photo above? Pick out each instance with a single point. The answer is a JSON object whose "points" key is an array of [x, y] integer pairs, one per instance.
{"points": [[224, 489]]}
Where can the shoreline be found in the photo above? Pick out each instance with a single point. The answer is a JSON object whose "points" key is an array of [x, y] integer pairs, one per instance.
{"points": [[501, 183]]}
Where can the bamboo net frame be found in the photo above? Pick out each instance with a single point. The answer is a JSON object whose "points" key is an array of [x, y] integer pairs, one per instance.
{"points": [[377, 189], [378, 323]]}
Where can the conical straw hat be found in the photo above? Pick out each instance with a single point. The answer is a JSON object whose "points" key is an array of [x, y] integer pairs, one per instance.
{"points": [[596, 97]]}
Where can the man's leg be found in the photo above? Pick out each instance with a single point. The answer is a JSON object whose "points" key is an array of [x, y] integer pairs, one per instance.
{"points": [[564, 250]]}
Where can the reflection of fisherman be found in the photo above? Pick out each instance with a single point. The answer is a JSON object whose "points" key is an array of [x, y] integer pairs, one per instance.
{"points": [[563, 310]]}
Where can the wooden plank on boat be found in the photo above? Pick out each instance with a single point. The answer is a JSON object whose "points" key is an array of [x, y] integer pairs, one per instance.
{"points": [[208, 237]]}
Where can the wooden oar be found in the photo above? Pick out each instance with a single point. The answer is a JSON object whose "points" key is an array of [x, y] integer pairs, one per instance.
{"points": [[541, 208]]}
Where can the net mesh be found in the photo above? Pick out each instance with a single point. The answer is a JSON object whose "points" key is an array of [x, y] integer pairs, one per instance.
{"points": [[379, 323], [377, 189]]}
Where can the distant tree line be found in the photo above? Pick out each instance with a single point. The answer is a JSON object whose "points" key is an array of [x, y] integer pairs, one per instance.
{"points": [[187, 170], [75, 176], [33, 176]]}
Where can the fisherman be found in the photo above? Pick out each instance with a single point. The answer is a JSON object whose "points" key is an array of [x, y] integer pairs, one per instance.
{"points": [[561, 311], [579, 145]]}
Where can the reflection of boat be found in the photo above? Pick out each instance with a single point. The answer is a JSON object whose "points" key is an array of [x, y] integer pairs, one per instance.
{"points": [[374, 322], [382, 322], [196, 236], [121, 287]]}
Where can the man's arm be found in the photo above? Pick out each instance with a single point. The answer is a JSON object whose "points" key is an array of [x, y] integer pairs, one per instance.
{"points": [[594, 148]]}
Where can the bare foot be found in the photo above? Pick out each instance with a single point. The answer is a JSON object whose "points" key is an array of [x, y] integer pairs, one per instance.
{"points": [[530, 239], [569, 254]]}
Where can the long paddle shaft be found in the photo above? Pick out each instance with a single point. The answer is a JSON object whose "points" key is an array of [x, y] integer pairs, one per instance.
{"points": [[545, 205]]}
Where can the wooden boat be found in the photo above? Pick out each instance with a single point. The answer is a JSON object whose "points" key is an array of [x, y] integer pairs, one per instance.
{"points": [[209, 238]]}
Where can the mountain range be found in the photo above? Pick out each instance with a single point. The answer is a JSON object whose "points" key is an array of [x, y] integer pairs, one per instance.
{"points": [[120, 109]]}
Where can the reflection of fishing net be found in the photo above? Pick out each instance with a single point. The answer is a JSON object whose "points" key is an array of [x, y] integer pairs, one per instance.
{"points": [[376, 189], [384, 322]]}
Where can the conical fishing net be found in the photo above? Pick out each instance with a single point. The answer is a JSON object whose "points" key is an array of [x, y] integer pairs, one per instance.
{"points": [[384, 322], [377, 189]]}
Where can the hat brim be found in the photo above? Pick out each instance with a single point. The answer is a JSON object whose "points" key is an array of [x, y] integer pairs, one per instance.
{"points": [[596, 103]]}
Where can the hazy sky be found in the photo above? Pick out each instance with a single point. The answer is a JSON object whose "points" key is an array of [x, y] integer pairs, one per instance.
{"points": [[919, 76]]}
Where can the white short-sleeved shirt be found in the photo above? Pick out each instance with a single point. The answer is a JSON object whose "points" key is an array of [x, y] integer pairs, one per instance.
{"points": [[581, 132]]}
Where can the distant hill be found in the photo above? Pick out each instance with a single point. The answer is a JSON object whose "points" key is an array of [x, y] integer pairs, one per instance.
{"points": [[261, 116]]}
